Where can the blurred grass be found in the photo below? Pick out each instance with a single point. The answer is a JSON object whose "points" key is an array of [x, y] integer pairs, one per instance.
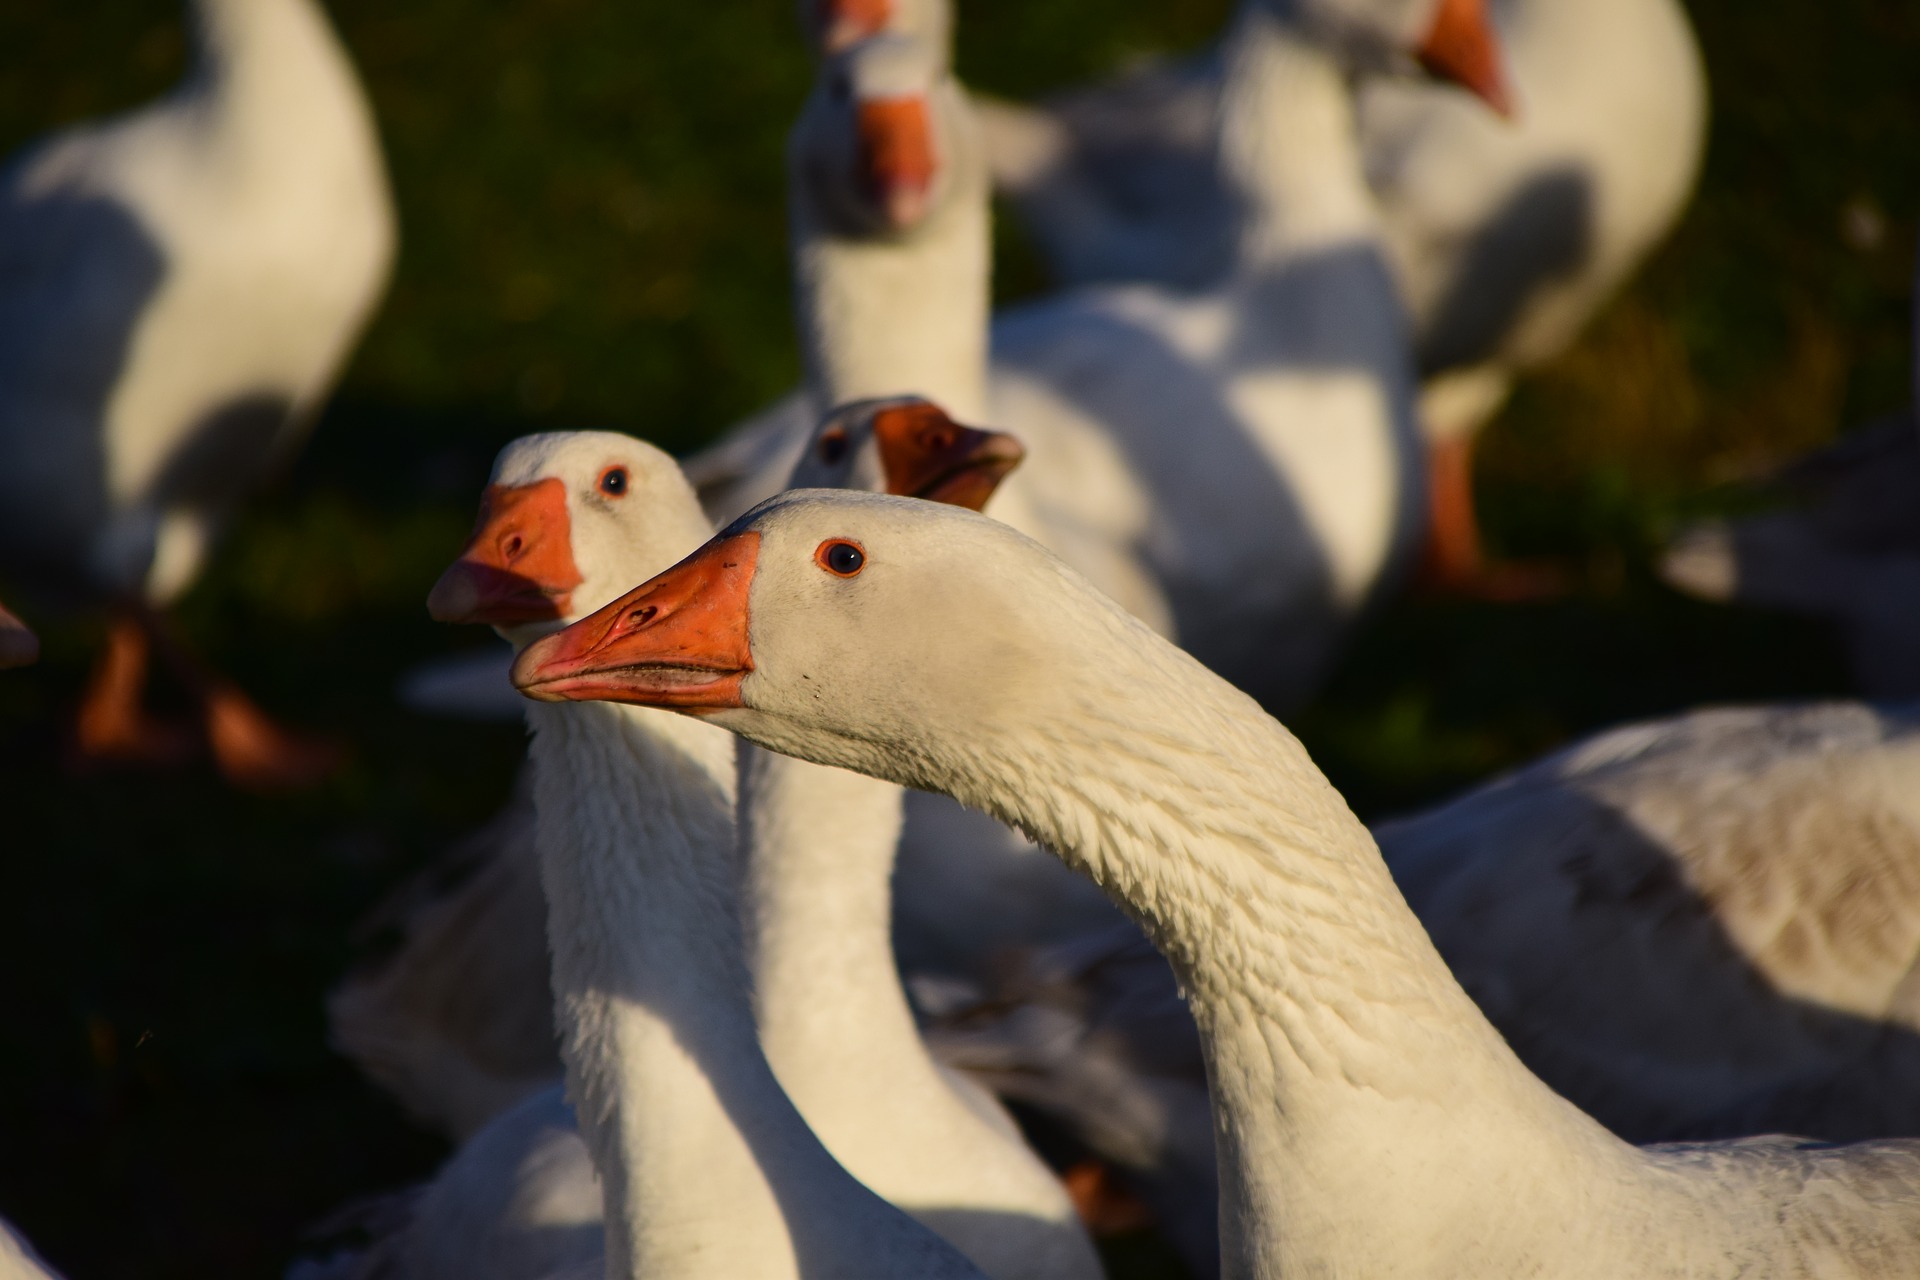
{"points": [[591, 205]]}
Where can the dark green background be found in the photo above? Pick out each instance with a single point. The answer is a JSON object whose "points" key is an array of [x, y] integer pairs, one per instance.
{"points": [[590, 195]]}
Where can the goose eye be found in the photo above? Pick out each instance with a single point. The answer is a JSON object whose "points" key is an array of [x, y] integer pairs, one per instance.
{"points": [[613, 482], [833, 445], [840, 557]]}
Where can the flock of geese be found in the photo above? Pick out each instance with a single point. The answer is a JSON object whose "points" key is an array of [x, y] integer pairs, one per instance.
{"points": [[994, 707]]}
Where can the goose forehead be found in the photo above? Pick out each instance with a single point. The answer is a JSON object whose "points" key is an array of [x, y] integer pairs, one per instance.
{"points": [[578, 457], [890, 66]]}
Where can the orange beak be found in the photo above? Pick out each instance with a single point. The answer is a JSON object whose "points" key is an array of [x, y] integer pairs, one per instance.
{"points": [[847, 22], [928, 455], [678, 641], [1463, 47], [19, 647], [518, 566], [896, 157]]}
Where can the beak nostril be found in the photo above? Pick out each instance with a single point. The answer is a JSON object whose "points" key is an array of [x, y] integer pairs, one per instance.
{"points": [[512, 547], [642, 616]]}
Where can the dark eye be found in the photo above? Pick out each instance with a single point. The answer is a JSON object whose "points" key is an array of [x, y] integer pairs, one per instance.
{"points": [[833, 445], [613, 482], [839, 556]]}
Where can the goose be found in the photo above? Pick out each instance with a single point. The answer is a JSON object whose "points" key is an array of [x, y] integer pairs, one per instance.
{"points": [[19, 647], [1371, 1121], [1289, 496], [179, 288], [1505, 234], [703, 1164], [1846, 549], [453, 1014], [18, 1261], [1702, 926], [847, 1051]]}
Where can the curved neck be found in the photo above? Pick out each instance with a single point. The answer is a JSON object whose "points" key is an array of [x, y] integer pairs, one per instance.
{"points": [[883, 315], [1340, 1050], [1288, 146], [707, 1167]]}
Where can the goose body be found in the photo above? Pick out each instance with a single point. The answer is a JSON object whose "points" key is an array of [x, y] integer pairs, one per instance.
{"points": [[179, 289], [1371, 1120]]}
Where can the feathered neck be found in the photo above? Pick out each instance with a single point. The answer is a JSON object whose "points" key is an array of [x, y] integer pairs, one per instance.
{"points": [[891, 315], [707, 1167], [253, 47], [1367, 1113], [1289, 151]]}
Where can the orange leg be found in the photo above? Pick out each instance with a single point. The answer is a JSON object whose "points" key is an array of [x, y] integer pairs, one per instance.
{"points": [[254, 753], [112, 725], [249, 749], [1455, 562], [1105, 1206]]}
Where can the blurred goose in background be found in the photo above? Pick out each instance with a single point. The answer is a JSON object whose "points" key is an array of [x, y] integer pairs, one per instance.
{"points": [[1372, 1120], [179, 289], [1182, 449], [1700, 927], [1505, 235], [818, 858], [19, 647], [704, 1166], [1846, 548]]}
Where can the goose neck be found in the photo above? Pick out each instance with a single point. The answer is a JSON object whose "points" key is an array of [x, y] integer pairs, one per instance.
{"points": [[1340, 1050], [882, 315], [1289, 149], [819, 851]]}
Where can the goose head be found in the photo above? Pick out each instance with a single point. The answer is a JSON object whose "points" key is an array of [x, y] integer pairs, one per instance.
{"points": [[1450, 40], [857, 630], [568, 518], [834, 25], [908, 446], [19, 647], [875, 149]]}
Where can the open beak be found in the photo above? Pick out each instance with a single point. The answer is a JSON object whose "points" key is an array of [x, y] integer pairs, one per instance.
{"points": [[677, 641], [896, 158], [847, 22], [926, 454], [19, 647], [518, 567], [1463, 47]]}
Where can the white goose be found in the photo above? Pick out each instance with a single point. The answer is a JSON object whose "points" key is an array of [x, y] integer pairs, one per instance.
{"points": [[1505, 234], [1371, 1120], [1289, 491], [704, 1165], [181, 288]]}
